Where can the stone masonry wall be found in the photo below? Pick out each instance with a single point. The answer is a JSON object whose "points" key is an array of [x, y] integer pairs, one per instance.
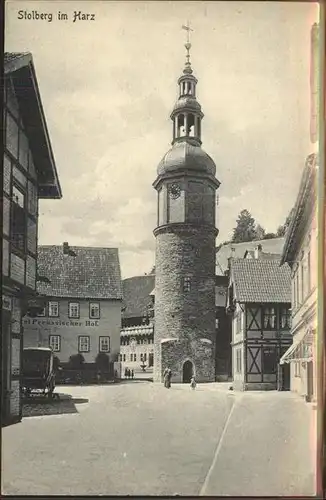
{"points": [[185, 251]]}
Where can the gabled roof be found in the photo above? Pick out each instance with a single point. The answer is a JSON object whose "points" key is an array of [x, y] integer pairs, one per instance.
{"points": [[306, 191], [273, 245], [260, 281], [137, 295], [94, 273], [20, 67]]}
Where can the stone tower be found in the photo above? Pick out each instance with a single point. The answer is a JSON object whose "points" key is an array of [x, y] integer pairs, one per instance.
{"points": [[184, 338]]}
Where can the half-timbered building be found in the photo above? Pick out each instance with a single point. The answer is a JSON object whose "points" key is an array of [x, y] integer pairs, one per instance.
{"points": [[29, 173], [259, 301]]}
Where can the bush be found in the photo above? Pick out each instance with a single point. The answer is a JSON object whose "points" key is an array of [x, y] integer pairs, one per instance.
{"points": [[102, 361], [76, 361]]}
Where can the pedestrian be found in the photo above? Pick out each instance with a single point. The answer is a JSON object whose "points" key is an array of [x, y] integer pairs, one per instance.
{"points": [[132, 374], [169, 376], [193, 383], [126, 372], [165, 377]]}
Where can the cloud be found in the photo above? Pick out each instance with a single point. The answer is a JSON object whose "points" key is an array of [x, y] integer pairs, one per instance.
{"points": [[108, 88]]}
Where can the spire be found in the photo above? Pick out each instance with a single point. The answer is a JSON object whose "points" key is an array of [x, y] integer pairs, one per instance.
{"points": [[187, 114], [187, 68]]}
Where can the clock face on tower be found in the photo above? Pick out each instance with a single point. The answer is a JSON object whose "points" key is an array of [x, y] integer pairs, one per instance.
{"points": [[174, 191]]}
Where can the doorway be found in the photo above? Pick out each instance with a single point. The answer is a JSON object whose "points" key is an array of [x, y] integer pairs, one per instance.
{"points": [[283, 377], [187, 372]]}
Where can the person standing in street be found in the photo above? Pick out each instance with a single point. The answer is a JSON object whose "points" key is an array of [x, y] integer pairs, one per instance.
{"points": [[165, 378], [132, 374], [193, 383], [169, 376]]}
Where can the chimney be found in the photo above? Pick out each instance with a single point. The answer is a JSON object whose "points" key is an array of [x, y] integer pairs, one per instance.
{"points": [[65, 248], [258, 251]]}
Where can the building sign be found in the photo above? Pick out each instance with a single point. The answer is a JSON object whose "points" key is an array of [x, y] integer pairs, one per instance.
{"points": [[6, 303], [58, 322]]}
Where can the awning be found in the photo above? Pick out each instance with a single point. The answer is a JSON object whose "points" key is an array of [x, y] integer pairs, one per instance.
{"points": [[300, 350]]}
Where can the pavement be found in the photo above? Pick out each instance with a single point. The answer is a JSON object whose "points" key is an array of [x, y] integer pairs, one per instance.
{"points": [[138, 438]]}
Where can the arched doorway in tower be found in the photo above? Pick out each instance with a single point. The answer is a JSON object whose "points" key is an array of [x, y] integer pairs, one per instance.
{"points": [[187, 371]]}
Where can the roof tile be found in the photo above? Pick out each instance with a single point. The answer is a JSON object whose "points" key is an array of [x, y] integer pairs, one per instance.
{"points": [[261, 281], [93, 273]]}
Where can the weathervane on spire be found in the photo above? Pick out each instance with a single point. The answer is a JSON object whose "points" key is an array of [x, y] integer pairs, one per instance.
{"points": [[188, 47]]}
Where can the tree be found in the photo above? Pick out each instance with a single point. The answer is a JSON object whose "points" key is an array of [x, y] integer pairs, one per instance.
{"points": [[281, 230], [245, 229], [260, 232]]}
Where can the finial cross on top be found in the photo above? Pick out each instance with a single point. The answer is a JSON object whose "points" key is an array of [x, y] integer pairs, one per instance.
{"points": [[188, 29]]}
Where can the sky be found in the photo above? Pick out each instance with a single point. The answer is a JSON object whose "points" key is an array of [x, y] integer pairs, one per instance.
{"points": [[108, 86]]}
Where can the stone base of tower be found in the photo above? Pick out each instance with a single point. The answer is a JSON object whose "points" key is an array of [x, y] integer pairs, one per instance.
{"points": [[184, 359]]}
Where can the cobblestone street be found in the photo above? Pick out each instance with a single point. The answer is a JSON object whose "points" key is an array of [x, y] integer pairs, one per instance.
{"points": [[139, 438]]}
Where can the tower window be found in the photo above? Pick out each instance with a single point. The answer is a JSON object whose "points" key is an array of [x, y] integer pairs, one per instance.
{"points": [[191, 125], [186, 284], [181, 126]]}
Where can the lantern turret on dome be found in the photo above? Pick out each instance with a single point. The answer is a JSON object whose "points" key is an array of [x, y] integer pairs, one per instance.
{"points": [[187, 113]]}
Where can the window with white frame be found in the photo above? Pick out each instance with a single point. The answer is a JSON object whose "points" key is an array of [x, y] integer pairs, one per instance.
{"points": [[83, 343], [54, 309], [186, 284], [55, 342], [104, 344], [285, 318], [269, 318], [94, 310], [73, 311]]}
